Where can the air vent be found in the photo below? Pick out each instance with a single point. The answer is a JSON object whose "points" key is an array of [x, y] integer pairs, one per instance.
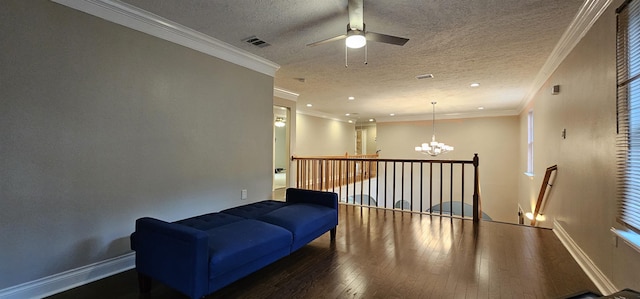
{"points": [[256, 42], [425, 76]]}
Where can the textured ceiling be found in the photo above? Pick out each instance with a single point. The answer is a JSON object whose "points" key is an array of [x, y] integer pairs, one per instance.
{"points": [[501, 44]]}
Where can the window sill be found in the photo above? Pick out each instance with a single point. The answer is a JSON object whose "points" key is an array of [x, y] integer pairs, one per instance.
{"points": [[529, 174], [632, 239]]}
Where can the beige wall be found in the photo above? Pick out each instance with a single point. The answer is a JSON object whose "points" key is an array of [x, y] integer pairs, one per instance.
{"points": [[101, 125], [316, 136], [583, 199], [495, 139]]}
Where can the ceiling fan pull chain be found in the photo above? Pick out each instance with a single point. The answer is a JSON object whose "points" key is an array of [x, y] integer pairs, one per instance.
{"points": [[366, 61], [346, 56]]}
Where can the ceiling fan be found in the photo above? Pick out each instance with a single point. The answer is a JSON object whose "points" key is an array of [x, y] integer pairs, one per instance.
{"points": [[357, 36]]}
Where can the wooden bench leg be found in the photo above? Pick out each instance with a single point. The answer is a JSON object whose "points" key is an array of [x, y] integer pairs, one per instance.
{"points": [[333, 234], [144, 283]]}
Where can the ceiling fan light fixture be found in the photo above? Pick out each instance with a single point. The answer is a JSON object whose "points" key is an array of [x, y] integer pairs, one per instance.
{"points": [[356, 39]]}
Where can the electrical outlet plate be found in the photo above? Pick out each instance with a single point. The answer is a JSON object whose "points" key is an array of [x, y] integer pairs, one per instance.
{"points": [[243, 194]]}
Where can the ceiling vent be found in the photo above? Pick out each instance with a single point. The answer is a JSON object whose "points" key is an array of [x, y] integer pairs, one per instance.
{"points": [[425, 76], [256, 42]]}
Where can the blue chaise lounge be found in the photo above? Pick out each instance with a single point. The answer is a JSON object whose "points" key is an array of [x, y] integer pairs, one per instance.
{"points": [[202, 254]]}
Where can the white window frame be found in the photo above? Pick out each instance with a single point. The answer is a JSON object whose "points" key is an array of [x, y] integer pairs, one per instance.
{"points": [[628, 123], [529, 171]]}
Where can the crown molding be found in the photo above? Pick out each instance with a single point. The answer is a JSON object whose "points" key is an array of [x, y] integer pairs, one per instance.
{"points": [[464, 115], [411, 118], [322, 115], [588, 14], [285, 94], [135, 18]]}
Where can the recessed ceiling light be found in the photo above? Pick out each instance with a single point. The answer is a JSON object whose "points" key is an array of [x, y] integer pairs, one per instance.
{"points": [[350, 121], [351, 98], [392, 114], [371, 119], [347, 114], [480, 108], [474, 84], [309, 105]]}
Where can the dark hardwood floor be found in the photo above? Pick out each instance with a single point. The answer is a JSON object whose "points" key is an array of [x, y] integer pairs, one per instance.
{"points": [[386, 254]]}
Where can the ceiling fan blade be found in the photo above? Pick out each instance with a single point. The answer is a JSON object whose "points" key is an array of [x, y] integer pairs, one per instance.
{"points": [[335, 38], [388, 39], [356, 19]]}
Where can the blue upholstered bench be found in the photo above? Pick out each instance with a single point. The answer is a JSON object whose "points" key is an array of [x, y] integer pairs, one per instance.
{"points": [[202, 254]]}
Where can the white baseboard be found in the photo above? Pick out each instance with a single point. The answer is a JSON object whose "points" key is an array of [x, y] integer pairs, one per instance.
{"points": [[69, 279], [605, 286]]}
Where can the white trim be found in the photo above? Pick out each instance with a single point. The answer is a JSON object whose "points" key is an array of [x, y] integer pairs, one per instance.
{"points": [[410, 118], [462, 115], [588, 14], [60, 282], [601, 281], [322, 115], [630, 238], [285, 94], [135, 18]]}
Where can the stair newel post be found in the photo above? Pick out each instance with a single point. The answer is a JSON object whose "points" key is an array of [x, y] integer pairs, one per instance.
{"points": [[476, 188]]}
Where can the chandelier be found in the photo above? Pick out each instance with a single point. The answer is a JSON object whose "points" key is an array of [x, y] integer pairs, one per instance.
{"points": [[434, 148]]}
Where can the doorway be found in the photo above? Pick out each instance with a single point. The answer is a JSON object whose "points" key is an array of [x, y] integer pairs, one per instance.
{"points": [[365, 138], [281, 141]]}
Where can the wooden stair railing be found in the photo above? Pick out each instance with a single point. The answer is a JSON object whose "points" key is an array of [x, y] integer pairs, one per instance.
{"points": [[397, 181], [324, 172], [543, 190]]}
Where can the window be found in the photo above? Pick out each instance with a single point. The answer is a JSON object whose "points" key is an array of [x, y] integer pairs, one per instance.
{"points": [[628, 110], [530, 143]]}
